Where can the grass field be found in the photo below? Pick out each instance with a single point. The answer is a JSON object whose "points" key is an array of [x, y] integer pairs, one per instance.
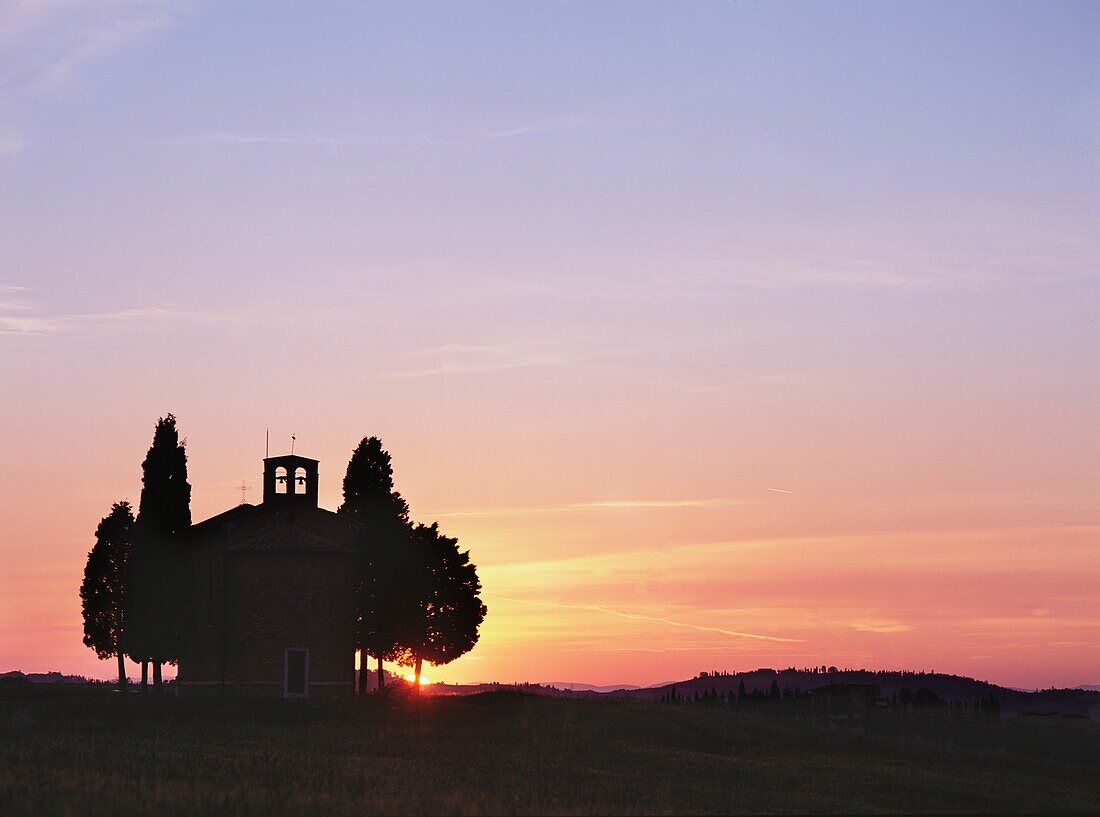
{"points": [[87, 752]]}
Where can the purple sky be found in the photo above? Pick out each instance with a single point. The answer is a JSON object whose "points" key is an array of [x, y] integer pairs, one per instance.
{"points": [[695, 323]]}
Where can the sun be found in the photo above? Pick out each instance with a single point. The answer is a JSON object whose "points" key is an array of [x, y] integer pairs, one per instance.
{"points": [[411, 678]]}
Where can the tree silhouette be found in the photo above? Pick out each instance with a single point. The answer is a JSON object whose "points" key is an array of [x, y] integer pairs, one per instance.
{"points": [[370, 499], [384, 606], [155, 581], [103, 591], [368, 485], [448, 609]]}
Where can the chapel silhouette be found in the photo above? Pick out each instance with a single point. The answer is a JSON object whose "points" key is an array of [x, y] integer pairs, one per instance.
{"points": [[270, 607]]}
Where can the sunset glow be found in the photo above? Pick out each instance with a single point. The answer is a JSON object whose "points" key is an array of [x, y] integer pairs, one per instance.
{"points": [[702, 374]]}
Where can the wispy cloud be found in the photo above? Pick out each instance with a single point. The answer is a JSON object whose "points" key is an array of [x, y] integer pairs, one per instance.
{"points": [[20, 325], [8, 146], [338, 141], [606, 505], [16, 313], [468, 359], [779, 379], [306, 140], [881, 626], [919, 258], [11, 298], [899, 553], [657, 503], [549, 126], [463, 348], [45, 45], [631, 616], [22, 317], [474, 368]]}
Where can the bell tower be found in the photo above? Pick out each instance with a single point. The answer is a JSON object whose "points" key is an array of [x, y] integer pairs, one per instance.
{"points": [[290, 478]]}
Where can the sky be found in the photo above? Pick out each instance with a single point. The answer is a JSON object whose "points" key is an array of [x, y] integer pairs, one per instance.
{"points": [[725, 334]]}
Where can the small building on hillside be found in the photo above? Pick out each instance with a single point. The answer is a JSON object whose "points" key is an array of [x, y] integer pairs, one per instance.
{"points": [[270, 608]]}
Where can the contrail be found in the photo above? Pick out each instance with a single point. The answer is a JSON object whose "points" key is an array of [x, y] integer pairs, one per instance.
{"points": [[656, 619], [858, 504]]}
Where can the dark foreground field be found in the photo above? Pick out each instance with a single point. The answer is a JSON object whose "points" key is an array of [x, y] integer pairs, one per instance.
{"points": [[88, 753]]}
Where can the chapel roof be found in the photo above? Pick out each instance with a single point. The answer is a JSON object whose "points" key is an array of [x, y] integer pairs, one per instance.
{"points": [[267, 528]]}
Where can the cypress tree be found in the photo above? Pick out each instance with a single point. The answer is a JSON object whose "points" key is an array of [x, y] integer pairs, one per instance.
{"points": [[155, 579], [103, 591], [369, 495], [383, 514]]}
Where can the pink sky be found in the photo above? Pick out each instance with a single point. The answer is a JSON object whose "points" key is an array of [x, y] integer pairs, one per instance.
{"points": [[741, 335]]}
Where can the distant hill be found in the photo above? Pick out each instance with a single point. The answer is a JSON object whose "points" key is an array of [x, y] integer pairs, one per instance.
{"points": [[889, 682], [15, 676], [1078, 701], [575, 687], [1082, 701], [493, 686]]}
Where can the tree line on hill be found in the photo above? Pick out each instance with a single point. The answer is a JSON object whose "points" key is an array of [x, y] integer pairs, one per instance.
{"points": [[417, 595], [905, 698]]}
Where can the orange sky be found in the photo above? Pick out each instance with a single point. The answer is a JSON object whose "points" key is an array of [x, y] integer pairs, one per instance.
{"points": [[724, 336], [609, 555]]}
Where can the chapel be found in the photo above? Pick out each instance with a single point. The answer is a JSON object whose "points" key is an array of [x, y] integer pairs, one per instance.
{"points": [[270, 607]]}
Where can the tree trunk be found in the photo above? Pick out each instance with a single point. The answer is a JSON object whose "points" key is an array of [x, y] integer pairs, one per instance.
{"points": [[363, 671], [121, 671], [419, 663], [381, 675], [156, 676], [145, 675]]}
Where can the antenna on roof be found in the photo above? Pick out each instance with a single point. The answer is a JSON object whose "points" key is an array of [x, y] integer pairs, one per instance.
{"points": [[292, 439], [267, 443]]}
